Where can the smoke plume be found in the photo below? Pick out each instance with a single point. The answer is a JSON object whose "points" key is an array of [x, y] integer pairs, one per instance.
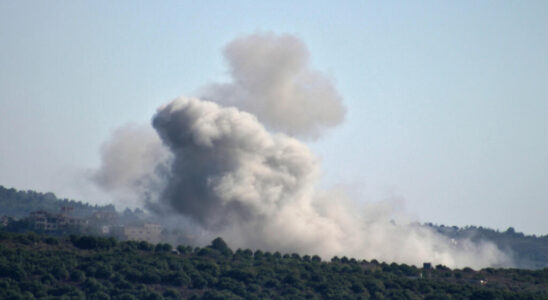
{"points": [[226, 165], [220, 169], [272, 79], [133, 163], [237, 180]]}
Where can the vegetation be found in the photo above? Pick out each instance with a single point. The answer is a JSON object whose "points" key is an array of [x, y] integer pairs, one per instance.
{"points": [[87, 267], [527, 251], [19, 204]]}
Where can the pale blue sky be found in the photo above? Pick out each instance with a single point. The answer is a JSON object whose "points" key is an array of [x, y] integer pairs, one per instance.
{"points": [[447, 101]]}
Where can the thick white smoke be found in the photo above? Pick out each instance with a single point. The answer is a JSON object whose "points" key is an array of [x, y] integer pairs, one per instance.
{"points": [[219, 167], [272, 79]]}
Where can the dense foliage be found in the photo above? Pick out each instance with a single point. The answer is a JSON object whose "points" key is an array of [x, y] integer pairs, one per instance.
{"points": [[527, 251], [87, 267], [19, 204]]}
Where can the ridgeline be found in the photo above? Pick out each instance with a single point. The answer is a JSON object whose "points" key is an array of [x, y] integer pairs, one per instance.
{"points": [[87, 267], [75, 261]]}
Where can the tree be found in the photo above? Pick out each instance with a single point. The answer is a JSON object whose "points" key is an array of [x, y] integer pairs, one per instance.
{"points": [[220, 245]]}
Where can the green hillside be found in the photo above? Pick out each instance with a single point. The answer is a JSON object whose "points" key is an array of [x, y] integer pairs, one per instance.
{"points": [[42, 267], [527, 251], [19, 204]]}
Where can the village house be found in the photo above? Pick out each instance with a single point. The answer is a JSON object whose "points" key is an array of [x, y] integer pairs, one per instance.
{"points": [[46, 221], [149, 232]]}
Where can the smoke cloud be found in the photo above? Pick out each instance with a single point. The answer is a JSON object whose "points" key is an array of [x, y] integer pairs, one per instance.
{"points": [[133, 165], [218, 168], [272, 79], [226, 165], [237, 180]]}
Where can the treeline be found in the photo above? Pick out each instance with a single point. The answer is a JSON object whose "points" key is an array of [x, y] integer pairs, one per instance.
{"points": [[527, 251], [86, 267], [19, 204]]}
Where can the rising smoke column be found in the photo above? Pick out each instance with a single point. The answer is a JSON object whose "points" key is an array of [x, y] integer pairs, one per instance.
{"points": [[226, 165], [239, 181], [235, 169], [272, 79]]}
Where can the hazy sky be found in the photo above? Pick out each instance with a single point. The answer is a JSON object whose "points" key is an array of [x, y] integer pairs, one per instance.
{"points": [[447, 101]]}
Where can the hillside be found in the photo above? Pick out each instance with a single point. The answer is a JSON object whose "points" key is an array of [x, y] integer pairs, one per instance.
{"points": [[19, 204], [527, 251], [34, 266]]}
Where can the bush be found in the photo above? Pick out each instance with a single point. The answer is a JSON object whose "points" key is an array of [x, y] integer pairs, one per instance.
{"points": [[98, 296], [144, 246], [125, 296], [91, 242], [51, 241], [85, 242], [220, 245], [198, 282], [60, 272], [171, 293], [91, 285], [179, 279]]}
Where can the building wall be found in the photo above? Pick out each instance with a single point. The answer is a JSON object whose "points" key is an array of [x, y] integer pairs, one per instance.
{"points": [[148, 232]]}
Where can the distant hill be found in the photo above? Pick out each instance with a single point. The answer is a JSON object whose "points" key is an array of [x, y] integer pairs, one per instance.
{"points": [[19, 204], [528, 251], [86, 267]]}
